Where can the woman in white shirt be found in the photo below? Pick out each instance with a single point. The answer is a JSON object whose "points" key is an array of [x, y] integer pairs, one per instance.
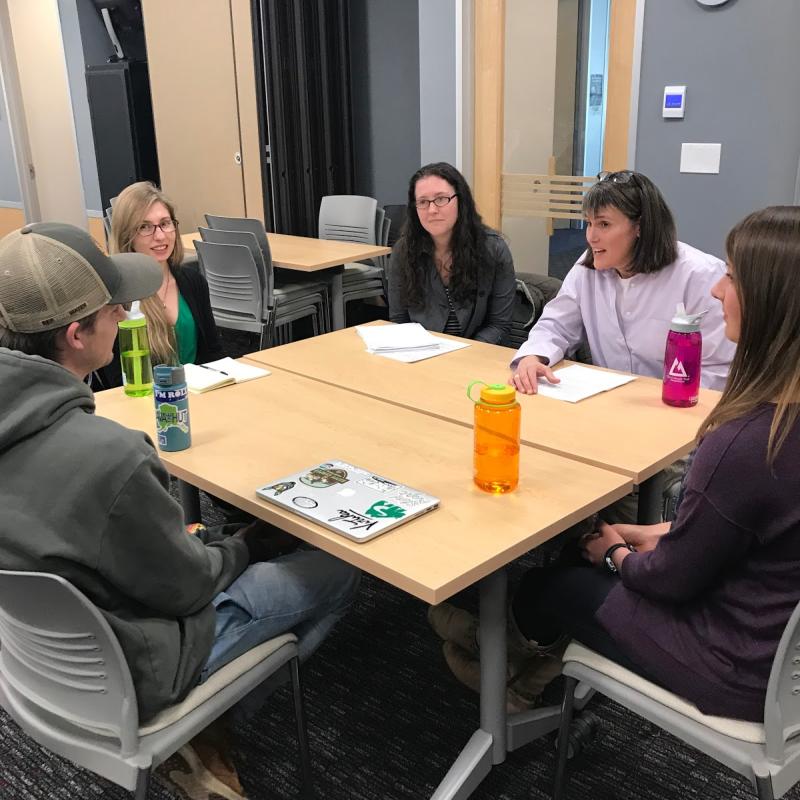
{"points": [[622, 293]]}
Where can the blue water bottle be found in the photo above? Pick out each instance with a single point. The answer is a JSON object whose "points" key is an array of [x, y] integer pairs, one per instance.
{"points": [[172, 408]]}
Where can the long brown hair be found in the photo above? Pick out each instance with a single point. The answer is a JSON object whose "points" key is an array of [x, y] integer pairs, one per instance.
{"points": [[467, 243], [130, 209], [764, 253]]}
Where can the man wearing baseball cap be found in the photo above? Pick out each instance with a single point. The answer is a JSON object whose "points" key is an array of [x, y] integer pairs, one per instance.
{"points": [[88, 499]]}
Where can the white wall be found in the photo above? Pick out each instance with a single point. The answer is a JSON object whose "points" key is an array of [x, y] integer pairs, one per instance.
{"points": [[48, 112], [10, 195], [530, 77], [437, 80]]}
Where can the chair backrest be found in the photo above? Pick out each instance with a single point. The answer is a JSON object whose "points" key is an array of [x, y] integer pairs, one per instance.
{"points": [[397, 214], [60, 657], [348, 217], [248, 239], [234, 281], [782, 703], [247, 224]]}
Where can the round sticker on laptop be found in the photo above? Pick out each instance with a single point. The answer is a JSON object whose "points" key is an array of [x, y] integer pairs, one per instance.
{"points": [[305, 502], [323, 476]]}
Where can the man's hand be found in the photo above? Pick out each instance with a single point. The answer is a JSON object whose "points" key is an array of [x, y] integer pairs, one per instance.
{"points": [[265, 541], [596, 544], [642, 537], [526, 378]]}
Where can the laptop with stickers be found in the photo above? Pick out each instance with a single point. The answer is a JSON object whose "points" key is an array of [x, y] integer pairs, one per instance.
{"points": [[347, 499]]}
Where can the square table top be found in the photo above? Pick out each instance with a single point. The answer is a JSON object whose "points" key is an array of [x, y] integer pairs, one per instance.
{"points": [[628, 429], [306, 254], [246, 435]]}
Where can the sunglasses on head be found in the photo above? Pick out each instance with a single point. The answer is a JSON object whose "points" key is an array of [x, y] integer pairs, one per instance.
{"points": [[624, 176]]}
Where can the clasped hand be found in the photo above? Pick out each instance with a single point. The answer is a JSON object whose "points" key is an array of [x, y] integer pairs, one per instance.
{"points": [[266, 541], [642, 537]]}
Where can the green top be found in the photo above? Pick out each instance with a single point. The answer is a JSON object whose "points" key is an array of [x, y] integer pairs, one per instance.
{"points": [[185, 333]]}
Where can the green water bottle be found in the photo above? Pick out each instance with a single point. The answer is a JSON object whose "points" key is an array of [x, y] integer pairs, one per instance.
{"points": [[134, 354]]}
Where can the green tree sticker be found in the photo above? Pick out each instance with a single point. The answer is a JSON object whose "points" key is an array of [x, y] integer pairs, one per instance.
{"points": [[385, 510]]}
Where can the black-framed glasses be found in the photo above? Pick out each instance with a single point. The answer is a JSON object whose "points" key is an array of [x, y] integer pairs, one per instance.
{"points": [[439, 202], [623, 176], [149, 229]]}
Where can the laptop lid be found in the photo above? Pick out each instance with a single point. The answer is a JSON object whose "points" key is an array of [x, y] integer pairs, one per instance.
{"points": [[349, 500]]}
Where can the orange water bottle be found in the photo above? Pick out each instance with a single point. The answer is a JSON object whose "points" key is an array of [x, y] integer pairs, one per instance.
{"points": [[497, 415]]}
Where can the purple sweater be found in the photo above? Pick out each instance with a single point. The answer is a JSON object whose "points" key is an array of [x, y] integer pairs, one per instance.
{"points": [[704, 611]]}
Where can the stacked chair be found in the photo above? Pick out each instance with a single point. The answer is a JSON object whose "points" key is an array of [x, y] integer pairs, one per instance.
{"points": [[245, 294], [353, 218]]}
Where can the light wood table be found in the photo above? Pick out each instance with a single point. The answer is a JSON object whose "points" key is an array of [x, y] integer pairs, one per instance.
{"points": [[249, 434], [326, 257], [628, 430]]}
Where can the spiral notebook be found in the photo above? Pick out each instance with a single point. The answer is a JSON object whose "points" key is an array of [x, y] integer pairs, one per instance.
{"points": [[347, 499]]}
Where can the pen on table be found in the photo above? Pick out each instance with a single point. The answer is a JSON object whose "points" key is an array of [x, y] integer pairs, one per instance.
{"points": [[214, 369]]}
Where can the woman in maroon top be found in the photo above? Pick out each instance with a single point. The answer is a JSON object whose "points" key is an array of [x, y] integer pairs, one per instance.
{"points": [[699, 605]]}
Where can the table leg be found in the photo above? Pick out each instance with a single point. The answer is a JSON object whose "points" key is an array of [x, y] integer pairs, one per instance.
{"points": [[337, 300], [651, 494], [487, 746], [190, 501]]}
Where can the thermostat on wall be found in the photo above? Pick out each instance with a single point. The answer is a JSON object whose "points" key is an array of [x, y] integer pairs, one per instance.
{"points": [[674, 102]]}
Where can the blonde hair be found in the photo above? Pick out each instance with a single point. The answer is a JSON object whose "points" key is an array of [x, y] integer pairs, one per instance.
{"points": [[130, 209], [764, 253]]}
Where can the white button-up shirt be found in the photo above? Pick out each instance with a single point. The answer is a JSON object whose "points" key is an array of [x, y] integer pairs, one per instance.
{"points": [[625, 321]]}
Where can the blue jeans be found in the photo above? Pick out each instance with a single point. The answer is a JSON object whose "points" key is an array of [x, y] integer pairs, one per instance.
{"points": [[305, 592]]}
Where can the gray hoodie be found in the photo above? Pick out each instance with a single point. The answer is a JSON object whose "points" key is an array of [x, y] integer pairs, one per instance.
{"points": [[87, 499]]}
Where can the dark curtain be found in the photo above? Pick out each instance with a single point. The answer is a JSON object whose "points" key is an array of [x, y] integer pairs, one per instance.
{"points": [[303, 85]]}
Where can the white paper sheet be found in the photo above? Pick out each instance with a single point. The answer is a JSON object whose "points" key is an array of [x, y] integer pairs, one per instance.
{"points": [[410, 356], [579, 382], [388, 338]]}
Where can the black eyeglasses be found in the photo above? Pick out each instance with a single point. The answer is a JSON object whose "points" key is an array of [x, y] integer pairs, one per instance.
{"points": [[439, 202], [624, 176]]}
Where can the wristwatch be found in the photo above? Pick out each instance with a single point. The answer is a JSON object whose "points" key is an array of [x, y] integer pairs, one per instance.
{"points": [[609, 561]]}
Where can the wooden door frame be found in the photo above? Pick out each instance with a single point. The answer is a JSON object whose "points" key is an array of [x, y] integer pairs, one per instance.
{"points": [[488, 116], [624, 68]]}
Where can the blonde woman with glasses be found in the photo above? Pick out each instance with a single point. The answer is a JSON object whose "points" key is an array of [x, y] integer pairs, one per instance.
{"points": [[179, 319]]}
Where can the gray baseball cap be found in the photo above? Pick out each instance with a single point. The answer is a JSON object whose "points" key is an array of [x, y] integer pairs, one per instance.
{"points": [[52, 274]]}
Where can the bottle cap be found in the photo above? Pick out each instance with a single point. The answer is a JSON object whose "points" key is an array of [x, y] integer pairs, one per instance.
{"points": [[166, 375], [686, 323], [498, 394], [133, 316]]}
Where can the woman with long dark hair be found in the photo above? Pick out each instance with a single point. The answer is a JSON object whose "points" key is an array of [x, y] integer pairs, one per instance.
{"points": [[448, 271]]}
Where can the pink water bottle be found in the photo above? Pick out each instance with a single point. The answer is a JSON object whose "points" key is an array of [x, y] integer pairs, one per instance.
{"points": [[682, 359]]}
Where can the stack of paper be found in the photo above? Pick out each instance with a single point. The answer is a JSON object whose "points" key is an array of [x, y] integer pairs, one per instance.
{"points": [[578, 383], [390, 338], [407, 342], [223, 372]]}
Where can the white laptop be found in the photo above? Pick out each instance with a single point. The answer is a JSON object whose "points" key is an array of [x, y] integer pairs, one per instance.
{"points": [[347, 499]]}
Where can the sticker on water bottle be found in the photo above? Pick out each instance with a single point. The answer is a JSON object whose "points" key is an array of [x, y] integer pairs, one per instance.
{"points": [[677, 371]]}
